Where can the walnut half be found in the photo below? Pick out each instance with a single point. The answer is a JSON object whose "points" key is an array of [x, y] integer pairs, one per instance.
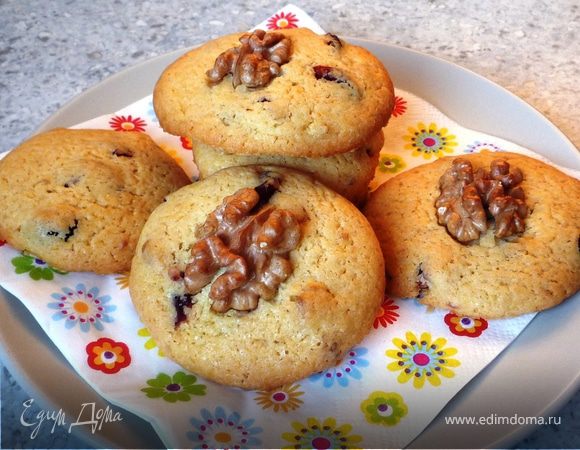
{"points": [[255, 63], [247, 239], [459, 206], [504, 197], [467, 200]]}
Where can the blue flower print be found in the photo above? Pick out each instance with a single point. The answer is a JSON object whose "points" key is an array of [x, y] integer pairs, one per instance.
{"points": [[82, 306], [478, 146], [348, 369], [220, 430], [151, 113]]}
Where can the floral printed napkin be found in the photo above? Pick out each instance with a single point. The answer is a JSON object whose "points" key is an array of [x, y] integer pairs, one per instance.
{"points": [[382, 395]]}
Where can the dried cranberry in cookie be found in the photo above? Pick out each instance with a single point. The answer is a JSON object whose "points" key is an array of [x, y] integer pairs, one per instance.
{"points": [[289, 93], [240, 276], [349, 174], [79, 198], [484, 235]]}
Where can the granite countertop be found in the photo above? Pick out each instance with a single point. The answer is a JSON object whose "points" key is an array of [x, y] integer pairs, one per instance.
{"points": [[52, 51]]}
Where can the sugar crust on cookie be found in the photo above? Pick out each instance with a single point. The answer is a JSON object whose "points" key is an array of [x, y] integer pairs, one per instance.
{"points": [[326, 306], [79, 198], [296, 114], [491, 279]]}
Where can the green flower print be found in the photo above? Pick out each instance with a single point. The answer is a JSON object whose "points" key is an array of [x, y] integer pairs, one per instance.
{"points": [[391, 163], [36, 268], [177, 388], [384, 408]]}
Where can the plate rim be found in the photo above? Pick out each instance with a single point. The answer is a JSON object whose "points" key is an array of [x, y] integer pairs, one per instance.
{"points": [[69, 107]]}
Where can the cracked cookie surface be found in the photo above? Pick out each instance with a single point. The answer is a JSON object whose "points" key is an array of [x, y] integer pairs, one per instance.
{"points": [[79, 198], [298, 113], [489, 277]]}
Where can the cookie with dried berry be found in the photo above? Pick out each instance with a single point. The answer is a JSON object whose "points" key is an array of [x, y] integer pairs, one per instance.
{"points": [[238, 276], [79, 198], [348, 173], [289, 92], [485, 235]]}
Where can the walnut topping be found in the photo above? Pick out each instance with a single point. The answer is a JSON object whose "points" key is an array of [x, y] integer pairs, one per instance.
{"points": [[504, 197], [459, 206], [468, 199], [250, 241], [255, 63]]}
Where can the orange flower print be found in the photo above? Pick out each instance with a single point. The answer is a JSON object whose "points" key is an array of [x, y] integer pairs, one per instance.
{"points": [[108, 356], [173, 153], [186, 143], [122, 280], [387, 314], [282, 20], [465, 326], [128, 123], [284, 398]]}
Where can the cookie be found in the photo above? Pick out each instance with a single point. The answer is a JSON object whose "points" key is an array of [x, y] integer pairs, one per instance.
{"points": [[329, 97], [488, 277], [79, 198], [349, 173], [269, 329]]}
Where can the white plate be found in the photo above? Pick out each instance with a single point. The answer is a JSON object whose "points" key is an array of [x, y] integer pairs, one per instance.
{"points": [[534, 376]]}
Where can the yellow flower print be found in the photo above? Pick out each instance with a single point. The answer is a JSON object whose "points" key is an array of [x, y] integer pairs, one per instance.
{"points": [[429, 141], [321, 434], [284, 398], [149, 343], [422, 359]]}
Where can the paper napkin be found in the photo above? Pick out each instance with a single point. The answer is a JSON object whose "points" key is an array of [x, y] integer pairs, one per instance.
{"points": [[383, 394]]}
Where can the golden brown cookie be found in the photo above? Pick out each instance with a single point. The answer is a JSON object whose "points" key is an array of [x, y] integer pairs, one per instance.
{"points": [[275, 328], [330, 97], [79, 198], [348, 173], [488, 277]]}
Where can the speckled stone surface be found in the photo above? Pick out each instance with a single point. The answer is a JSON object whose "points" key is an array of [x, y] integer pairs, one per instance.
{"points": [[52, 51]]}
